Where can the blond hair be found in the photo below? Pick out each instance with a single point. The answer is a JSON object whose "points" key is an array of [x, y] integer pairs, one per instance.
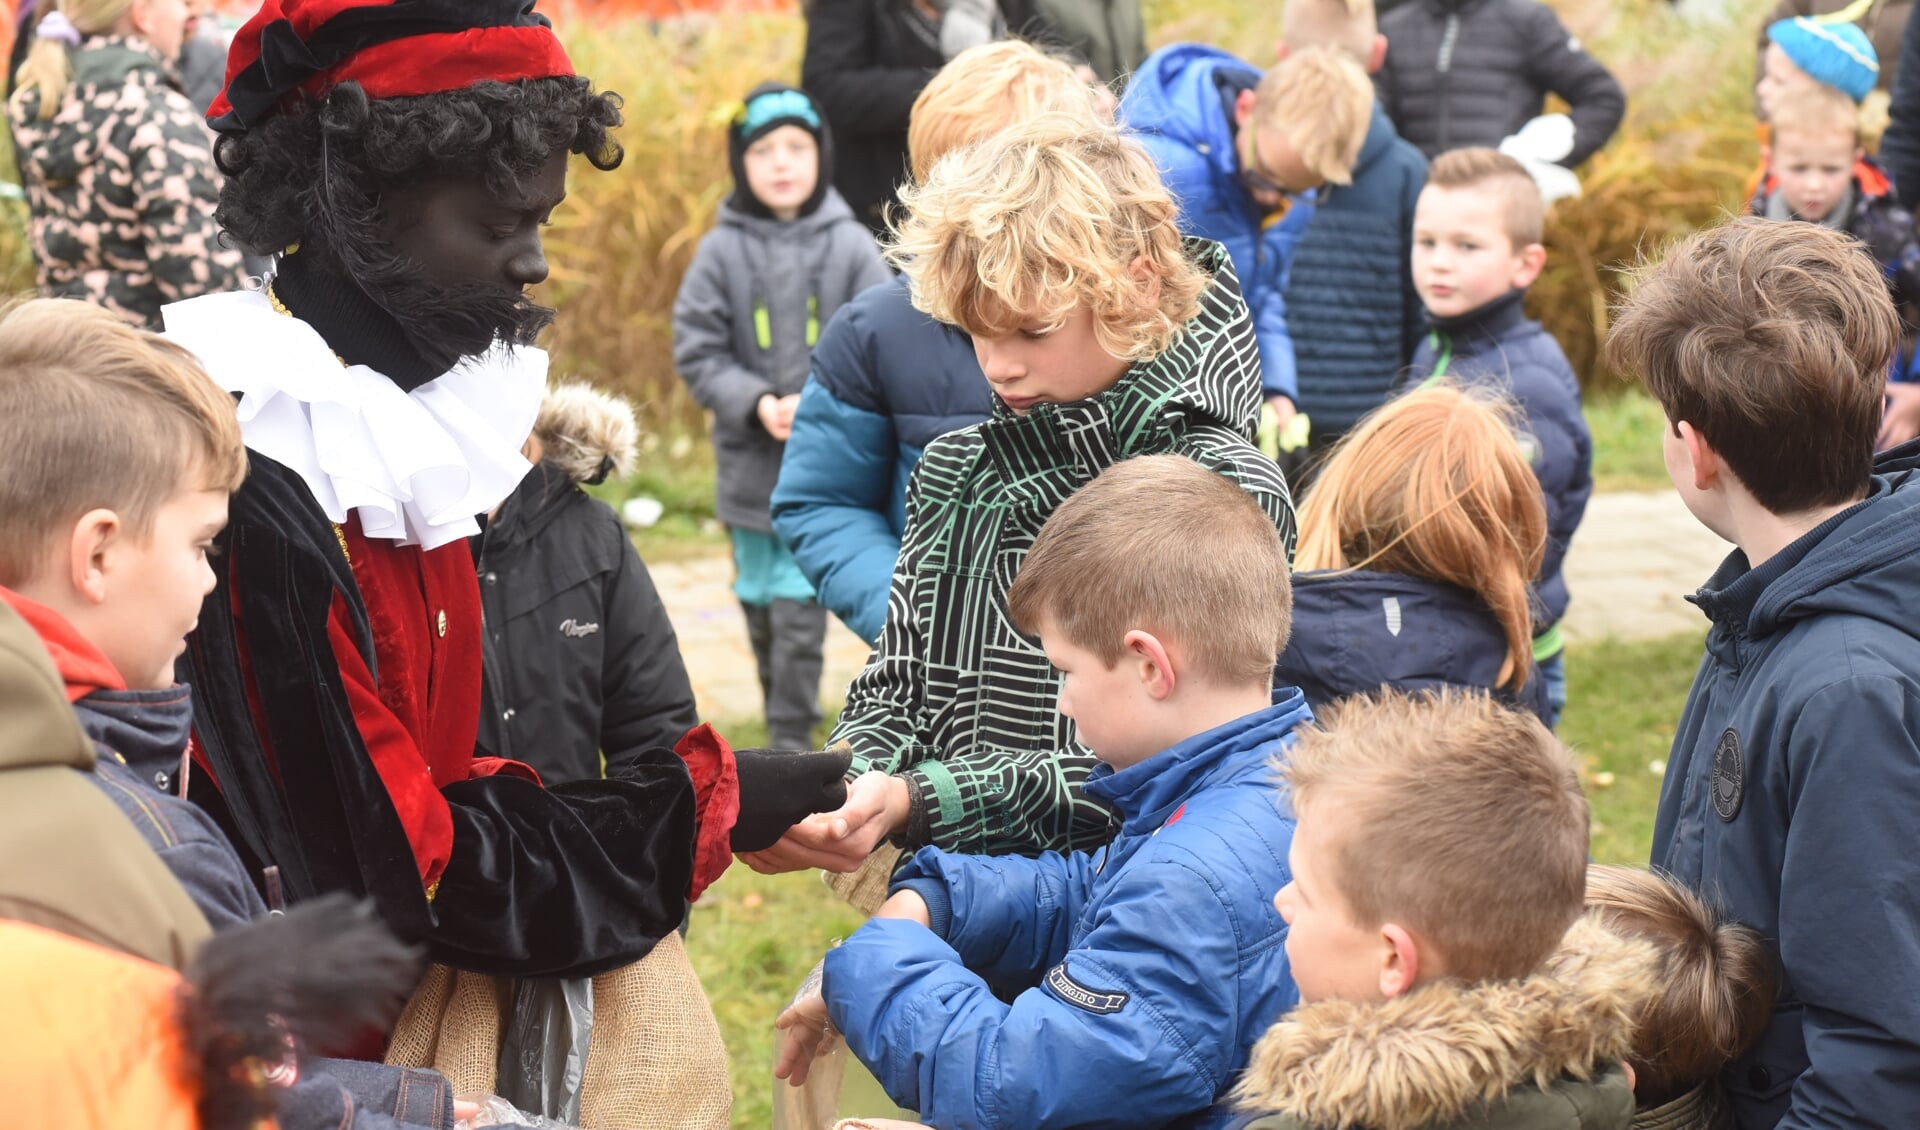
{"points": [[1323, 102], [1463, 821], [1493, 172], [1772, 340], [1349, 25], [587, 433], [48, 69], [1717, 980], [1161, 544], [1047, 215], [984, 89], [1815, 109], [1434, 485], [95, 413]]}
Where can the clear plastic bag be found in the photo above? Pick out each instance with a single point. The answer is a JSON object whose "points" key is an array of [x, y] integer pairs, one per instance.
{"points": [[496, 1111], [543, 1049]]}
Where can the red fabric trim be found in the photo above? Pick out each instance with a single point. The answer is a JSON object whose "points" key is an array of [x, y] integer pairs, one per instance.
{"points": [[84, 667], [423, 64], [716, 792], [500, 766]]}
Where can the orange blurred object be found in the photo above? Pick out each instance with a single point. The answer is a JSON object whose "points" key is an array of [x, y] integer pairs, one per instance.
{"points": [[91, 1040]]}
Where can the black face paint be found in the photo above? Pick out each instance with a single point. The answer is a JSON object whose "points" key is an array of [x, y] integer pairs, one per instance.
{"points": [[461, 261]]}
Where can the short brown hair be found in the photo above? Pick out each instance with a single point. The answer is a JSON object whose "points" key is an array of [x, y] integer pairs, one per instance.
{"points": [[1161, 544], [1814, 109], [1466, 823], [985, 89], [1772, 339], [1043, 217], [95, 413], [1323, 101], [1350, 25], [1717, 980], [1492, 171]]}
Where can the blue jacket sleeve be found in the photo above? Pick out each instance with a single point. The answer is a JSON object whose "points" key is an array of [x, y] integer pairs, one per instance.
{"points": [[1278, 375], [830, 506], [1846, 892], [1004, 914], [1565, 460], [1129, 1020]]}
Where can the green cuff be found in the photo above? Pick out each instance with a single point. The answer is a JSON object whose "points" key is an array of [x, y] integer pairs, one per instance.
{"points": [[934, 780], [1548, 644]]}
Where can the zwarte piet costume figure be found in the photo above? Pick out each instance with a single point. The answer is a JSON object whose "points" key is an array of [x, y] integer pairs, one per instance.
{"points": [[400, 157]]}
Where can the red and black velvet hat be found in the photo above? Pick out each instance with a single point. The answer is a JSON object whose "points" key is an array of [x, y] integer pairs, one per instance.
{"points": [[392, 48]]}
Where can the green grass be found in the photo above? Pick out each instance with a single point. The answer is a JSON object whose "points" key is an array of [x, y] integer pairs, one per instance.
{"points": [[1626, 441], [754, 937], [1623, 700]]}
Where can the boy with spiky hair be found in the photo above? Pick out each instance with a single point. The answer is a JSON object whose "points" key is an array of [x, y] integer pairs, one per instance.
{"points": [[1104, 336], [1792, 789], [1438, 863], [1155, 961]]}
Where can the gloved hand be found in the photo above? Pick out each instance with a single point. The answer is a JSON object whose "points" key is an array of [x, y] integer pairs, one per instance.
{"points": [[779, 788]]}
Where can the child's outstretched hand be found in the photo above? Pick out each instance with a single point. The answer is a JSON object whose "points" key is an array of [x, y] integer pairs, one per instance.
{"points": [[808, 1032]]}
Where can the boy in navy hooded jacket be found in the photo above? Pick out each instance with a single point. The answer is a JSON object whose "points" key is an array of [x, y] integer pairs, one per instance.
{"points": [[1476, 249], [1792, 794], [1157, 960]]}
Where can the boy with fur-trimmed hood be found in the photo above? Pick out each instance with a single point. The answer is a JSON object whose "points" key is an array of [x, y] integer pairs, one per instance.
{"points": [[581, 658], [1413, 1014]]}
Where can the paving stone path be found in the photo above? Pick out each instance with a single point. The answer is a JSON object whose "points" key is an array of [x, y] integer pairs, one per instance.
{"points": [[1632, 564]]}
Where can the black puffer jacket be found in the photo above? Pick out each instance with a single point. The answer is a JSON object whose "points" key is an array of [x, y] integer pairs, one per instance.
{"points": [[1470, 72], [581, 658], [865, 63]]}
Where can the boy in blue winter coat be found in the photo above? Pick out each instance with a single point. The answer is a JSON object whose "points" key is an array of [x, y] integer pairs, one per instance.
{"points": [[1352, 311], [1792, 793], [1476, 249], [1157, 960], [1236, 148], [887, 379], [785, 254]]}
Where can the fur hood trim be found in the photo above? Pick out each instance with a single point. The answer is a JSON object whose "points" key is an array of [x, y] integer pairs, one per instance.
{"points": [[582, 428], [1427, 1056]]}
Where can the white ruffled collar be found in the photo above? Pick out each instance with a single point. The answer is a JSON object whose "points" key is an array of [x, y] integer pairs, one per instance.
{"points": [[415, 466]]}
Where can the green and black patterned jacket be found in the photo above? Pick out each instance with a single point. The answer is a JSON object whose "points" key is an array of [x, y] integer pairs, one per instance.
{"points": [[956, 700], [121, 186]]}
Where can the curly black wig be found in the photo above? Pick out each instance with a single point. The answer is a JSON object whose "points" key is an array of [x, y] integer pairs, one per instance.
{"points": [[313, 174]]}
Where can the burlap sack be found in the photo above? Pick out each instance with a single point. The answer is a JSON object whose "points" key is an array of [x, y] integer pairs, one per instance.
{"points": [[866, 888], [655, 1061]]}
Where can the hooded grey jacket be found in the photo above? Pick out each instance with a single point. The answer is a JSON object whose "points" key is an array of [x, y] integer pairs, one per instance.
{"points": [[749, 310]]}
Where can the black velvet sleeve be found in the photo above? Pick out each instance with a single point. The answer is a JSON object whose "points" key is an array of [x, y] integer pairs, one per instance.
{"points": [[569, 881]]}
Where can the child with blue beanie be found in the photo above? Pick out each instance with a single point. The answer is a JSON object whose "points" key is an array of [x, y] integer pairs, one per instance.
{"points": [[784, 255], [1803, 51]]}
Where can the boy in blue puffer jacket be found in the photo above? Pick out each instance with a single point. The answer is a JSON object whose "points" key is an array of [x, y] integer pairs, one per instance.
{"points": [[1236, 148], [1476, 249], [887, 379], [1157, 960]]}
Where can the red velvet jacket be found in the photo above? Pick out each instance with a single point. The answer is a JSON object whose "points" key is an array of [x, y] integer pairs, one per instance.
{"points": [[337, 695]]}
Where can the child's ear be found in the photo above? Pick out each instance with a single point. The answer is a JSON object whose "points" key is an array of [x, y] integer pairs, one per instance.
{"points": [[1156, 669], [1531, 261], [1242, 109], [87, 567], [1377, 54], [1701, 455], [1399, 960]]}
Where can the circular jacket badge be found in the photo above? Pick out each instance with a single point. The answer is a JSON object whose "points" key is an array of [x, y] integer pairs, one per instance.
{"points": [[1729, 775]]}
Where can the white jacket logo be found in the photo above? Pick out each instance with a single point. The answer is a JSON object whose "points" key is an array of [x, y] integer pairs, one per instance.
{"points": [[574, 629], [1391, 605]]}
